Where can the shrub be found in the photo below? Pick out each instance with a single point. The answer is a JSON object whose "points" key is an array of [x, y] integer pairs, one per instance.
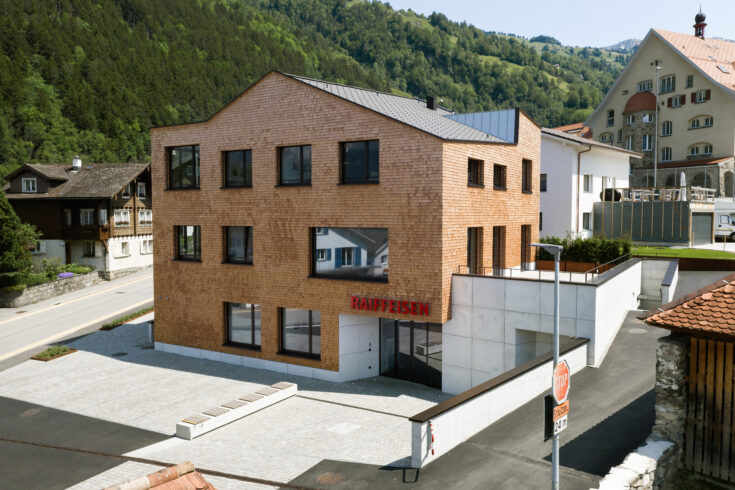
{"points": [[596, 250], [16, 241]]}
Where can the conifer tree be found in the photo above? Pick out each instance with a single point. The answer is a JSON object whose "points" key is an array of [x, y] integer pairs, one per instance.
{"points": [[16, 241]]}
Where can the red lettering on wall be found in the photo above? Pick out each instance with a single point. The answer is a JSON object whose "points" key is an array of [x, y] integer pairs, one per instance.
{"points": [[393, 306], [404, 307], [355, 303], [424, 309], [384, 304], [414, 308], [363, 304]]}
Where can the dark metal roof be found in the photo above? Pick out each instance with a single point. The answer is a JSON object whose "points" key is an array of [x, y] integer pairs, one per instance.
{"points": [[407, 110], [97, 180]]}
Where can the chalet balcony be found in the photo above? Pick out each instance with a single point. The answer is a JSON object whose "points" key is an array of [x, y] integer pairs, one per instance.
{"points": [[93, 232]]}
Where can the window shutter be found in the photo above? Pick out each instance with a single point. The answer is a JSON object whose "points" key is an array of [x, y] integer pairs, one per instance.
{"points": [[694, 97], [668, 103], [683, 99], [329, 254], [357, 256], [337, 258], [707, 94]]}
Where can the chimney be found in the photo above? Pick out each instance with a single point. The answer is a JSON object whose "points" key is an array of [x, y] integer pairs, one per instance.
{"points": [[699, 24], [431, 102], [76, 163]]}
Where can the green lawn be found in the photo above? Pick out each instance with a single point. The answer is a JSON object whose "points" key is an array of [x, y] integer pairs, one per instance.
{"points": [[682, 252]]}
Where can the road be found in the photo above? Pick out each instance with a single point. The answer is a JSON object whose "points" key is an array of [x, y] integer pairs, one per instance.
{"points": [[27, 330]]}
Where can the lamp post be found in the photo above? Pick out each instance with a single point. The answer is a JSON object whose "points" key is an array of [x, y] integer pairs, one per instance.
{"points": [[655, 134], [554, 250]]}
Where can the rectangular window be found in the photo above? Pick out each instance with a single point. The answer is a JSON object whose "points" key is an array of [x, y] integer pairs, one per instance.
{"points": [[243, 324], [89, 249], [361, 162], [122, 218], [667, 84], [67, 217], [145, 217], [301, 331], [126, 191], [239, 244], [474, 250], [525, 246], [498, 250], [707, 122], [540, 221], [666, 128], [103, 216], [295, 165], [629, 119], [86, 217], [707, 150], [677, 101], [124, 249], [620, 135], [499, 177], [647, 142], [587, 183], [701, 96], [611, 118], [189, 243], [141, 190], [646, 86], [475, 173], [350, 253], [29, 185], [183, 167], [693, 151], [666, 154], [586, 221], [146, 247], [542, 183], [527, 175], [629, 142], [238, 168], [648, 117], [690, 81]]}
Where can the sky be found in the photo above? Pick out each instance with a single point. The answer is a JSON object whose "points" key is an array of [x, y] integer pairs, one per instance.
{"points": [[582, 23]]}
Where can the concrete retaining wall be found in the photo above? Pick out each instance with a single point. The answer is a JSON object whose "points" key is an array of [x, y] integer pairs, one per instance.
{"points": [[34, 294], [454, 426]]}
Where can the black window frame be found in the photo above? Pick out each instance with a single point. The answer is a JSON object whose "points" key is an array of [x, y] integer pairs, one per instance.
{"points": [[542, 182], [343, 156], [301, 182], [475, 173], [527, 176], [310, 354], [503, 171], [197, 257], [228, 327], [587, 221], [195, 151], [247, 170], [248, 244]]}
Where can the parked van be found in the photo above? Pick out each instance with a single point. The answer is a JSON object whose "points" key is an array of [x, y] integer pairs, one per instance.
{"points": [[725, 226]]}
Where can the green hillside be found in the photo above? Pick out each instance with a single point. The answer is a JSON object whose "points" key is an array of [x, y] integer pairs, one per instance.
{"points": [[91, 77]]}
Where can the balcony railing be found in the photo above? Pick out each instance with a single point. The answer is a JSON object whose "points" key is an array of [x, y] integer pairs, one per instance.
{"points": [[91, 232], [688, 193]]}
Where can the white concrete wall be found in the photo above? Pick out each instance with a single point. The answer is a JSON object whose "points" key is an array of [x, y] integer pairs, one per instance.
{"points": [[667, 292], [77, 255], [52, 249], [653, 273], [462, 422], [359, 347], [116, 261]]}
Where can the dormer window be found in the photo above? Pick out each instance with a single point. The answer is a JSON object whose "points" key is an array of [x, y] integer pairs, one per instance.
{"points": [[29, 185], [126, 191], [141, 190]]}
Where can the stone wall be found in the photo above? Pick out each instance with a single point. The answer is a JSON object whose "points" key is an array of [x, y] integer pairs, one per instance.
{"points": [[654, 463], [34, 294]]}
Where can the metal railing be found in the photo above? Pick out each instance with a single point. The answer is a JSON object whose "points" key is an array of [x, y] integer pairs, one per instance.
{"points": [[688, 193]]}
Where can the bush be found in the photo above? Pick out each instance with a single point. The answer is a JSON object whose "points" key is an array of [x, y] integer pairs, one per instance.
{"points": [[596, 250]]}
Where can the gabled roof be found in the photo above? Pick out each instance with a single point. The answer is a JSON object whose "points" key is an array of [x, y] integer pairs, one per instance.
{"points": [[574, 127], [407, 110], [711, 57], [50, 171], [710, 310], [93, 181], [554, 133]]}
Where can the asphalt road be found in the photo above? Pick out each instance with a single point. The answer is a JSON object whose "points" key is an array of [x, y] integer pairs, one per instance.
{"points": [[30, 329]]}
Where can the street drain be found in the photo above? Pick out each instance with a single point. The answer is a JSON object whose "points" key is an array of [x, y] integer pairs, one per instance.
{"points": [[119, 354]]}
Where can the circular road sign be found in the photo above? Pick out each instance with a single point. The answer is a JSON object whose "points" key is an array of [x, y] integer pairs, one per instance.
{"points": [[560, 381]]}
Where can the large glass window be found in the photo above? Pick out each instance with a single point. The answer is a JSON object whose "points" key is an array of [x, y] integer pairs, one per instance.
{"points": [[295, 165], [475, 174], [183, 167], [360, 162], [411, 351], [350, 253], [301, 331], [239, 244], [238, 168], [243, 324], [189, 242]]}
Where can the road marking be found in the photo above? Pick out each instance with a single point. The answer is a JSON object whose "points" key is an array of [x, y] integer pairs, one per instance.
{"points": [[74, 300], [57, 336]]}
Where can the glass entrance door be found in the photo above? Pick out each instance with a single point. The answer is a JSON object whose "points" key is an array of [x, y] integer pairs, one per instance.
{"points": [[411, 351]]}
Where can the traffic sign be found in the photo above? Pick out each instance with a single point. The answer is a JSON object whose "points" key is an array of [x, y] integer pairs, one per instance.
{"points": [[560, 382]]}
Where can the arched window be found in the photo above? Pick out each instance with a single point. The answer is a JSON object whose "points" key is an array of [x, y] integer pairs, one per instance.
{"points": [[698, 180], [729, 191], [667, 128], [701, 121], [671, 180], [606, 138]]}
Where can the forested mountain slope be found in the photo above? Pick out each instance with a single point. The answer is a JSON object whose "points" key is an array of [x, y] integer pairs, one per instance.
{"points": [[91, 77]]}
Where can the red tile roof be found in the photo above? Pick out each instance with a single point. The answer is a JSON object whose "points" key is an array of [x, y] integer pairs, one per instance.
{"points": [[710, 310], [692, 163], [574, 127], [180, 477], [640, 101]]}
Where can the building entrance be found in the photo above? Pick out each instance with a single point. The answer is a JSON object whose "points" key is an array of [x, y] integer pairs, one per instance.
{"points": [[412, 351]]}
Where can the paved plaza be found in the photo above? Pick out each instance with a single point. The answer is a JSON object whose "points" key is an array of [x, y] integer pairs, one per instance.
{"points": [[116, 377]]}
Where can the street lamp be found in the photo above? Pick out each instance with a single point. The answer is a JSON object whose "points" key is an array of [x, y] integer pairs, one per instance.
{"points": [[655, 134], [554, 250]]}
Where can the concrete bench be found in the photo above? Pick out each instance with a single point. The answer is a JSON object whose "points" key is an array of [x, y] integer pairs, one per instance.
{"points": [[215, 417]]}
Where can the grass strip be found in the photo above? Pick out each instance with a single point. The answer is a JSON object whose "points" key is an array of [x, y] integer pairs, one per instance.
{"points": [[693, 253], [126, 318], [53, 352]]}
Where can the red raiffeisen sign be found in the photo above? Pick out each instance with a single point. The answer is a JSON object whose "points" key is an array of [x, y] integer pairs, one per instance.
{"points": [[414, 308]]}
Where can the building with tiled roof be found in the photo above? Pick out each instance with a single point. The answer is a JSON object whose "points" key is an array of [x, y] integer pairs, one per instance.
{"points": [[96, 214], [694, 80], [578, 129]]}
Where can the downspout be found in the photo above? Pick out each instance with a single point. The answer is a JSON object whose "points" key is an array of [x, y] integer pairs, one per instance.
{"points": [[579, 179]]}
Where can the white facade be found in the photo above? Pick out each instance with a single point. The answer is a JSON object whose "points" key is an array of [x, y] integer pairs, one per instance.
{"points": [[129, 252], [121, 253], [566, 199]]}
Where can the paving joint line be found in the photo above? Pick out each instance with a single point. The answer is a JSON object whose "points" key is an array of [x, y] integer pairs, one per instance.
{"points": [[351, 406], [164, 464]]}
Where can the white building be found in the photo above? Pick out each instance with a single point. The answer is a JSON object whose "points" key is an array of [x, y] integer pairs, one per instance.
{"points": [[574, 171]]}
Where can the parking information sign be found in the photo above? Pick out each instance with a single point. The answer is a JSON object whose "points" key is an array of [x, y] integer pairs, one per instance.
{"points": [[560, 416]]}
